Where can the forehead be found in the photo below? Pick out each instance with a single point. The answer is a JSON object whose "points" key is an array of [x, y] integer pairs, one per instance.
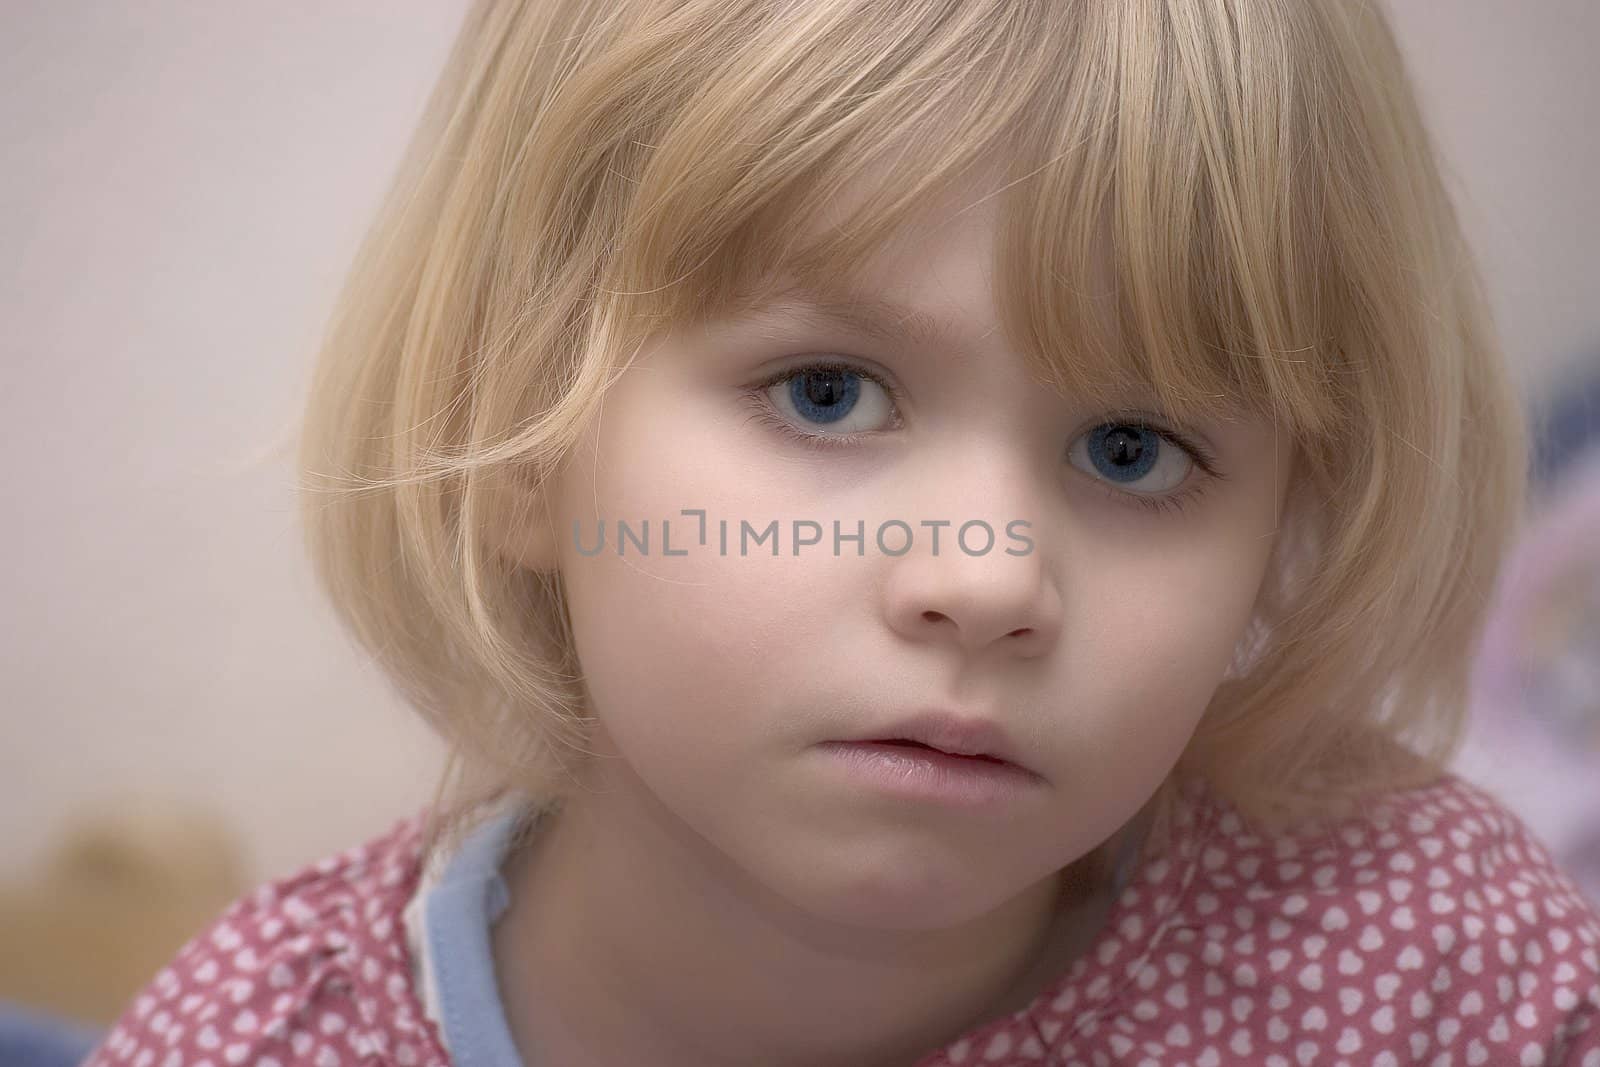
{"points": [[988, 261], [849, 309], [934, 278], [855, 309]]}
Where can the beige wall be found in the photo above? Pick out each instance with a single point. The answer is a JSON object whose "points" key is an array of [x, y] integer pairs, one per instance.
{"points": [[184, 184], [1512, 91]]}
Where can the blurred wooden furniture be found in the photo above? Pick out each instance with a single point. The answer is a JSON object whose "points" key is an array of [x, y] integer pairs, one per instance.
{"points": [[128, 884]]}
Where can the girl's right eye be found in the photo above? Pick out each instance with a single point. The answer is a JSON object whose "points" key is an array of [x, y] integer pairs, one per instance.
{"points": [[826, 404]]}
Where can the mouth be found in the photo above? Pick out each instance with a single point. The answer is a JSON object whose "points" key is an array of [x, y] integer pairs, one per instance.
{"points": [[964, 737], [900, 742], [919, 772]]}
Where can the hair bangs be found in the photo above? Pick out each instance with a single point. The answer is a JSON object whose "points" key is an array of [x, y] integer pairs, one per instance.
{"points": [[731, 196], [1146, 252], [1136, 253]]}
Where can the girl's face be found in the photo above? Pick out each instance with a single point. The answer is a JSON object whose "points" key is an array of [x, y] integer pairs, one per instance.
{"points": [[716, 674]]}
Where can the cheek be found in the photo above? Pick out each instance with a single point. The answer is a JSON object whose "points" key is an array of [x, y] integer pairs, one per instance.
{"points": [[713, 616], [1156, 636], [690, 670], [682, 653]]}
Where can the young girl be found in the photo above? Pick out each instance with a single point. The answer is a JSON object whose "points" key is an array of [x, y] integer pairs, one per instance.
{"points": [[936, 533]]}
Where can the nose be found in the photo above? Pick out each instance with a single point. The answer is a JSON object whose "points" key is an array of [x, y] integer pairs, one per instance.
{"points": [[997, 600]]}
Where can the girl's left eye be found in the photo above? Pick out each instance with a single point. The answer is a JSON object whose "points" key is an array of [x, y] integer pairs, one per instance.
{"points": [[1134, 458]]}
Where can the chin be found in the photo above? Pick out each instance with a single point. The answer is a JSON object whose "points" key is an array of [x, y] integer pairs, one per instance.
{"points": [[894, 896]]}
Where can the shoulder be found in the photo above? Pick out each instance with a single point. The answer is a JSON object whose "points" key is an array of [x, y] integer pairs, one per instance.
{"points": [[1431, 928], [309, 969], [1436, 921]]}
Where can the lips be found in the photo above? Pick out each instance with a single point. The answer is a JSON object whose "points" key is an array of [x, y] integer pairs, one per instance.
{"points": [[949, 733], [909, 772], [918, 744]]}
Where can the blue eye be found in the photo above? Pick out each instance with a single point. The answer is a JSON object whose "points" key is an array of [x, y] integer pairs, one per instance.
{"points": [[1128, 454], [844, 400], [824, 396], [832, 405]]}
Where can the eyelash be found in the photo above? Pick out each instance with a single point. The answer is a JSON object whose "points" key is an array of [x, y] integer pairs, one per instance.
{"points": [[765, 414]]}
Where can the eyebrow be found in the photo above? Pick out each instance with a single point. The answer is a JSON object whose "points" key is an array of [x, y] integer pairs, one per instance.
{"points": [[881, 319]]}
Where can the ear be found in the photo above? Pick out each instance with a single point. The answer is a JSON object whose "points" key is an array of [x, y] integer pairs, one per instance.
{"points": [[520, 525]]}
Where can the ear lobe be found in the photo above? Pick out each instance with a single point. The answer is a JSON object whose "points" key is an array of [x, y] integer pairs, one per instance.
{"points": [[520, 528]]}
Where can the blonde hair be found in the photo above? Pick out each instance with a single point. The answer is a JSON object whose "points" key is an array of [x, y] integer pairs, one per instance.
{"points": [[591, 172]]}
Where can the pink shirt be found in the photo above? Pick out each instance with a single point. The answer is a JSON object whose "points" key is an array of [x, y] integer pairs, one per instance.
{"points": [[1436, 930]]}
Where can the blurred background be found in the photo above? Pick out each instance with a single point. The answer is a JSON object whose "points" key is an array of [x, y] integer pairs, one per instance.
{"points": [[184, 186]]}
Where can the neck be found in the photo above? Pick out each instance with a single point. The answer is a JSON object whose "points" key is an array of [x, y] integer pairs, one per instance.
{"points": [[630, 939]]}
